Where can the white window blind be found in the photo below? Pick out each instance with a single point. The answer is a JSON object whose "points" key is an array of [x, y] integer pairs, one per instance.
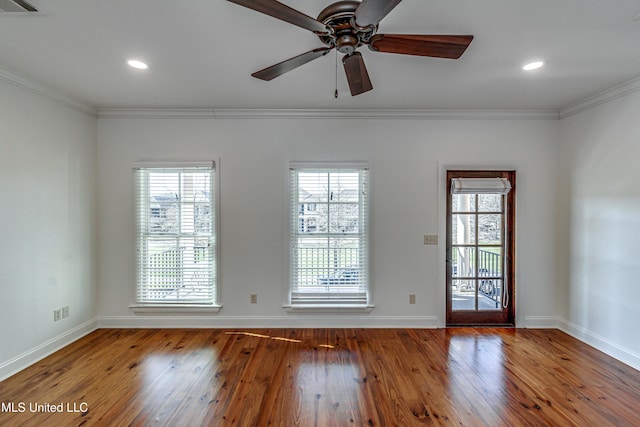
{"points": [[176, 240], [329, 239]]}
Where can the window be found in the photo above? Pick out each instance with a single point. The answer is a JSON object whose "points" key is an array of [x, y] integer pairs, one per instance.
{"points": [[176, 234], [329, 235]]}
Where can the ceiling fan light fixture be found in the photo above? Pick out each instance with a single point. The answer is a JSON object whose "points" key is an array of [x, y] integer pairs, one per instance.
{"points": [[135, 63], [533, 65]]}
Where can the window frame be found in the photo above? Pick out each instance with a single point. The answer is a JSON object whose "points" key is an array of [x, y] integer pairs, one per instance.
{"points": [[193, 306], [328, 301]]}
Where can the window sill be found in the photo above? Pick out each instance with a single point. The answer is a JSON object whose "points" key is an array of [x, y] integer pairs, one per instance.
{"points": [[329, 308], [174, 308]]}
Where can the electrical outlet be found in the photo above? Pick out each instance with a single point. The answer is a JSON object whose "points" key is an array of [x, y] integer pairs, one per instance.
{"points": [[65, 311], [430, 239], [412, 298], [57, 315], [254, 298]]}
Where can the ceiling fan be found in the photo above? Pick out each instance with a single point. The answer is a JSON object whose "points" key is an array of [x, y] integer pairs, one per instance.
{"points": [[347, 25]]}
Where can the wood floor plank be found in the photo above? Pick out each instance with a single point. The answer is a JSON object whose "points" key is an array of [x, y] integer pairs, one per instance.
{"points": [[324, 377]]}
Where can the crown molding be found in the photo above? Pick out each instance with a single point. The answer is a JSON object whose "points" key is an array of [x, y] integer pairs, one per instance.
{"points": [[46, 92], [209, 113], [600, 98], [584, 104], [156, 113], [416, 114]]}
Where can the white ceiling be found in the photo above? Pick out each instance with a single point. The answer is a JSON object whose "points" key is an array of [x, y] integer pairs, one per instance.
{"points": [[201, 54]]}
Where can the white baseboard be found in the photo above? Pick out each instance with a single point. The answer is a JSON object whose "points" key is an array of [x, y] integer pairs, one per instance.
{"points": [[28, 358], [541, 322], [604, 345], [299, 321]]}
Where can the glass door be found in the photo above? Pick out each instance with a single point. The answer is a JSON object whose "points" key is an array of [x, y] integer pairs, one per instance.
{"points": [[480, 247]]}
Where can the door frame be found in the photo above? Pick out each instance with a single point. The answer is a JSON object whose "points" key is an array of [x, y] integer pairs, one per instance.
{"points": [[506, 316]]}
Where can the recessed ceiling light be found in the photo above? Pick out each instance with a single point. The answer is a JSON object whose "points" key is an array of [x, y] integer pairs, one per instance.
{"points": [[137, 64], [533, 66]]}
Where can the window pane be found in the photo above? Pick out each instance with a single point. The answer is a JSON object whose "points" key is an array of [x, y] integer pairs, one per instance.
{"points": [[326, 258], [489, 202], [162, 267], [344, 187], [490, 295], [312, 218], [464, 229], [195, 186], [463, 202], [163, 214], [312, 260], [313, 187], [463, 293], [188, 218], [344, 218], [463, 262], [344, 253], [490, 229], [202, 218], [490, 262]]}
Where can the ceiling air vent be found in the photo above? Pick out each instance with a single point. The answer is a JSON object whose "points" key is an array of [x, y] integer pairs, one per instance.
{"points": [[16, 6]]}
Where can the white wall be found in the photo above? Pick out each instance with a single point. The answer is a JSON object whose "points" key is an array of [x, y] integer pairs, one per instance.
{"points": [[47, 225], [600, 154], [408, 160]]}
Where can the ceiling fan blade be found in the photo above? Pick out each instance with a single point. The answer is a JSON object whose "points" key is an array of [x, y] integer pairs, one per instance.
{"points": [[371, 12], [280, 68], [437, 46], [357, 75], [285, 13]]}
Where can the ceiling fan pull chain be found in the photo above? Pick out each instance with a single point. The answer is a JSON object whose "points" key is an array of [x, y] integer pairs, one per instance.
{"points": [[336, 92]]}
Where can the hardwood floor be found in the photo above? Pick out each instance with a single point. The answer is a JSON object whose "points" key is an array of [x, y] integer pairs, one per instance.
{"points": [[324, 377]]}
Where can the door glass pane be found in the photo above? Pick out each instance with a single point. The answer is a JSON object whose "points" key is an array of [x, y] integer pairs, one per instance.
{"points": [[490, 229], [490, 294], [463, 295], [464, 229], [463, 203], [463, 262], [490, 262], [489, 203]]}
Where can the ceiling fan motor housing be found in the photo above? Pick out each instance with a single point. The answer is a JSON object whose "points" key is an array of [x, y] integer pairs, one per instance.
{"points": [[347, 43], [345, 36]]}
